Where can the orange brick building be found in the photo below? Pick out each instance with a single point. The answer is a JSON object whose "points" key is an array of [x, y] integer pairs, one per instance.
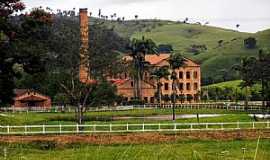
{"points": [[189, 81]]}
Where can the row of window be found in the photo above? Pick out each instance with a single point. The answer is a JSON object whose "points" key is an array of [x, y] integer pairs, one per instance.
{"points": [[182, 86], [188, 75], [166, 97]]}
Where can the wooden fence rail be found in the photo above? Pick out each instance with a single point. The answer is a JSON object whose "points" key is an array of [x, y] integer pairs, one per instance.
{"points": [[125, 128]]}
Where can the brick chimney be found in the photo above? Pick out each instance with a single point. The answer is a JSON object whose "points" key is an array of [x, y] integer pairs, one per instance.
{"points": [[84, 47]]}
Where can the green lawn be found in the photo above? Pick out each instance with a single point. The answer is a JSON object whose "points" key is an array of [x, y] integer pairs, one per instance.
{"points": [[107, 117], [182, 150]]}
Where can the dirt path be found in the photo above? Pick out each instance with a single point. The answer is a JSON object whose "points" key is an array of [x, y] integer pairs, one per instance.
{"points": [[140, 138]]}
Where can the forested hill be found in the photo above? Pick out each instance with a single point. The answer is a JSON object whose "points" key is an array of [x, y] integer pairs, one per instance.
{"points": [[216, 49]]}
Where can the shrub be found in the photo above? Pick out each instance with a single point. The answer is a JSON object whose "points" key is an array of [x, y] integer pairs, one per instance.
{"points": [[44, 145], [250, 43]]}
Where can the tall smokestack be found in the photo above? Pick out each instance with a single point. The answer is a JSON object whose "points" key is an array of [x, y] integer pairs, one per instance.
{"points": [[84, 47]]}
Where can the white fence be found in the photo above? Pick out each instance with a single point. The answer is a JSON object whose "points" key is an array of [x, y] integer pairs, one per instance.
{"points": [[195, 106], [125, 128]]}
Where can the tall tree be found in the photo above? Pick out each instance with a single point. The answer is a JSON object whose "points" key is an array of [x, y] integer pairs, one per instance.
{"points": [[176, 61], [263, 70], [159, 74], [20, 44], [138, 49], [248, 74]]}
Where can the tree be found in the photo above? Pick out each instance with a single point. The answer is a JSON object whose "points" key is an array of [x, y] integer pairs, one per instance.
{"points": [[138, 49], [136, 17], [224, 74], [250, 43], [165, 48], [248, 74], [104, 53], [175, 61], [158, 74], [186, 20], [263, 70], [99, 13], [20, 45]]}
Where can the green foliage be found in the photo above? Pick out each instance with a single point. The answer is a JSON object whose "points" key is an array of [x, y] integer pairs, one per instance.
{"points": [[250, 43], [138, 48], [231, 90], [176, 61], [103, 94], [21, 51], [165, 48]]}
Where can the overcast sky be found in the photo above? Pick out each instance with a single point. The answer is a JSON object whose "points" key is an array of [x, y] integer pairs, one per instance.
{"points": [[252, 15]]}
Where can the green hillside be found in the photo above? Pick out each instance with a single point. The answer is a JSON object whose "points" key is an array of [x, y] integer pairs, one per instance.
{"points": [[234, 87], [197, 42], [231, 84], [216, 57]]}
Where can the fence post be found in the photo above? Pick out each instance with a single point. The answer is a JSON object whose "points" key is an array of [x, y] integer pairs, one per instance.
{"points": [[8, 130], [143, 127], [94, 127], [253, 125], [191, 126], [127, 127], [175, 126], [43, 129], [206, 125], [25, 129], [159, 127], [222, 127], [60, 128], [238, 126], [110, 127], [77, 128]]}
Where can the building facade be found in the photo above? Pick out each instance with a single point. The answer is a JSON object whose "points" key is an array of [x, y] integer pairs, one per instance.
{"points": [[188, 79]]}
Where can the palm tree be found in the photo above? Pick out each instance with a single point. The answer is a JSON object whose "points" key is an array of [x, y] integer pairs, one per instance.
{"points": [[158, 74], [246, 70], [264, 73], [99, 13], [138, 50], [175, 61]]}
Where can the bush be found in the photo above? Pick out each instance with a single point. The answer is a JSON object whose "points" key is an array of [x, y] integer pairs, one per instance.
{"points": [[44, 145], [250, 43]]}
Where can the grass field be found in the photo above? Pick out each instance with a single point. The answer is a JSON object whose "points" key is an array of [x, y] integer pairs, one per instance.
{"points": [[184, 150], [235, 85], [108, 117]]}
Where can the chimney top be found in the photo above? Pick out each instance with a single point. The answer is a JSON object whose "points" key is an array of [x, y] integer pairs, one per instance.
{"points": [[83, 9]]}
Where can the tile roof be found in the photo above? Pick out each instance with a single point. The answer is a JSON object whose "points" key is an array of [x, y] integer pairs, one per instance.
{"points": [[154, 59]]}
